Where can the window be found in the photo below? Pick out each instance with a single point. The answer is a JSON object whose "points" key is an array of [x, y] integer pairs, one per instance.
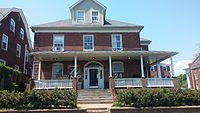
{"points": [[26, 58], [152, 68], [117, 67], [17, 67], [21, 33], [12, 25], [57, 71], [116, 42], [88, 42], [80, 16], [18, 50], [4, 44], [58, 43], [26, 71], [164, 68], [2, 61], [95, 16]]}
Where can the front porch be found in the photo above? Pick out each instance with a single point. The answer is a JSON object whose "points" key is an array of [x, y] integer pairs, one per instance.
{"points": [[85, 70]]}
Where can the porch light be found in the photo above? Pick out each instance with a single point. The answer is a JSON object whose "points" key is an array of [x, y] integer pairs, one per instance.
{"points": [[56, 59], [129, 57], [93, 58]]}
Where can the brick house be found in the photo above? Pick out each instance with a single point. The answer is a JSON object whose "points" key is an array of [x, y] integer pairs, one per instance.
{"points": [[161, 70], [90, 51], [194, 73], [14, 40]]}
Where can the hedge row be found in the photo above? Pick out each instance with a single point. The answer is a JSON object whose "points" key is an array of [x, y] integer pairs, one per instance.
{"points": [[157, 97], [10, 79], [35, 99]]}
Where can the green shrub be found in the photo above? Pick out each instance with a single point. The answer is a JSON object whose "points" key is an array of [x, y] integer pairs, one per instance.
{"points": [[157, 97], [38, 99], [10, 79]]}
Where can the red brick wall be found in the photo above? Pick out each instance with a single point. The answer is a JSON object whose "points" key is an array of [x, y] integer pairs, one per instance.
{"points": [[74, 41], [196, 74], [131, 69], [13, 38]]}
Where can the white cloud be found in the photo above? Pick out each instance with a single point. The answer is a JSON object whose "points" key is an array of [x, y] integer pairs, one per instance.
{"points": [[180, 65]]}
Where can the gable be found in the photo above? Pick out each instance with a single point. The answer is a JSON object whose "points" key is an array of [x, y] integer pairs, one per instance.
{"points": [[88, 3]]}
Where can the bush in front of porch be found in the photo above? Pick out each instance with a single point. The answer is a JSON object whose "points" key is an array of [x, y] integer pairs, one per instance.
{"points": [[157, 97], [38, 99]]}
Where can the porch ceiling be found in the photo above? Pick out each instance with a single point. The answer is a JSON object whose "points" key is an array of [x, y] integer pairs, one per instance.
{"points": [[149, 56]]}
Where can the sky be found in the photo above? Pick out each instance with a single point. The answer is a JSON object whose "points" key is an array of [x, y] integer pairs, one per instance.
{"points": [[172, 25]]}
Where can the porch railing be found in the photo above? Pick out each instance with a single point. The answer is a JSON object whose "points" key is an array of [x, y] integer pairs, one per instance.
{"points": [[127, 82], [160, 82], [52, 84]]}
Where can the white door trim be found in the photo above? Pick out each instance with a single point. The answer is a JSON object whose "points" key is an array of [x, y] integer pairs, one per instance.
{"points": [[87, 76]]}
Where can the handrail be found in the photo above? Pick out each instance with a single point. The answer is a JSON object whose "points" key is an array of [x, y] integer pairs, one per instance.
{"points": [[52, 84]]}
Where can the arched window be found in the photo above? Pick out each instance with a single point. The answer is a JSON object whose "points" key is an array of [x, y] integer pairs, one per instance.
{"points": [[57, 71]]}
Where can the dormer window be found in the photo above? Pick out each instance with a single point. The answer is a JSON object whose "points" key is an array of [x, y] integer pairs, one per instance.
{"points": [[95, 16], [80, 16]]}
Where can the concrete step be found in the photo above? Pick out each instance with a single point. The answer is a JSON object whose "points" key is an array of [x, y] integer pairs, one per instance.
{"points": [[94, 98], [95, 102]]}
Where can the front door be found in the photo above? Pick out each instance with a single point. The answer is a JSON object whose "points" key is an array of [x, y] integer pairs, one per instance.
{"points": [[93, 77]]}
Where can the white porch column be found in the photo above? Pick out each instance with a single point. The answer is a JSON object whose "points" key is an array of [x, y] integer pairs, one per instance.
{"points": [[142, 66], [39, 70], [110, 66], [75, 66], [159, 70], [172, 67]]}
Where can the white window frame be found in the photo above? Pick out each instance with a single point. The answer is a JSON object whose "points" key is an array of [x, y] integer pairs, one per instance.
{"points": [[118, 62], [18, 48], [84, 49], [16, 67], [4, 40], [115, 43], [77, 17], [63, 39], [2, 61], [53, 69], [21, 33], [95, 16], [12, 25]]}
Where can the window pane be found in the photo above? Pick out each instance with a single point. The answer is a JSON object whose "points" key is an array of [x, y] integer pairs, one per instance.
{"points": [[117, 67], [116, 42], [57, 71], [58, 42], [95, 13], [88, 42]]}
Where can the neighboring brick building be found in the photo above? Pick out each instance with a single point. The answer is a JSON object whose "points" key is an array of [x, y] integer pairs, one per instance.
{"points": [[160, 71], [93, 49], [14, 40], [194, 73]]}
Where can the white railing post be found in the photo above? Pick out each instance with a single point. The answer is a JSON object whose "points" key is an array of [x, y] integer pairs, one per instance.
{"points": [[110, 66], [142, 66], [75, 66], [39, 70]]}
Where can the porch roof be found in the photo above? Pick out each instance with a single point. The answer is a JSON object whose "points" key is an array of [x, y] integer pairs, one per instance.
{"points": [[150, 56]]}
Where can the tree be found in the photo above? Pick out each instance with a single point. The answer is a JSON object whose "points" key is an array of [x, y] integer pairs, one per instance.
{"points": [[182, 81]]}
